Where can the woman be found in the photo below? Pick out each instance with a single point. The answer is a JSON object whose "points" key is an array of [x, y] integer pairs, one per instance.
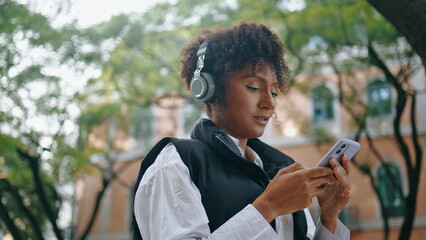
{"points": [[224, 183]]}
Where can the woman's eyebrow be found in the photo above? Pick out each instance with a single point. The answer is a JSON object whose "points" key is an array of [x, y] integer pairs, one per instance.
{"points": [[258, 77], [253, 76]]}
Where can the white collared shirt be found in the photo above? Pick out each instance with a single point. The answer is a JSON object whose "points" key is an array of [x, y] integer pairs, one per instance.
{"points": [[168, 206]]}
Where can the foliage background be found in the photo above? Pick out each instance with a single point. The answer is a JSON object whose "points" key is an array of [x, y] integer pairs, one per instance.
{"points": [[45, 124]]}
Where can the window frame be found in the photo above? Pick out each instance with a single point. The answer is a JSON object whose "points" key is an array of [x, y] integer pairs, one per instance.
{"points": [[386, 189], [327, 109], [382, 107]]}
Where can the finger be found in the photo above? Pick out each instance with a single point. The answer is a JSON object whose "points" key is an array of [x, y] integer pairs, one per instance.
{"points": [[345, 194], [318, 172], [334, 163], [337, 167], [345, 163], [342, 178], [318, 192], [320, 181], [297, 166], [292, 168]]}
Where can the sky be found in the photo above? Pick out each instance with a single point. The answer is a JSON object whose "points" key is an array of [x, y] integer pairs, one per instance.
{"points": [[89, 12]]}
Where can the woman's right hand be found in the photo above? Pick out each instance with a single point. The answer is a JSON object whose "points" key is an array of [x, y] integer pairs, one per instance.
{"points": [[292, 189]]}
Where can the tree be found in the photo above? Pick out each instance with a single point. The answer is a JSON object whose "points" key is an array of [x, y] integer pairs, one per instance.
{"points": [[350, 36], [409, 19], [141, 69], [379, 52], [36, 152], [353, 36]]}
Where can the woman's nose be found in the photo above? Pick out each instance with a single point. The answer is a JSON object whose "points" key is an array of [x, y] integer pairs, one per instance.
{"points": [[267, 100]]}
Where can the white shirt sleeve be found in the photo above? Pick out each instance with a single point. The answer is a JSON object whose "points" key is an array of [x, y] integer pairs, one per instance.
{"points": [[168, 206], [342, 232]]}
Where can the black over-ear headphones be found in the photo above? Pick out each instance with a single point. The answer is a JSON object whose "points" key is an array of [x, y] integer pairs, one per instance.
{"points": [[202, 83]]}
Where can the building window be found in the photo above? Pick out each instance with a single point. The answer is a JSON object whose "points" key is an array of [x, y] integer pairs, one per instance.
{"points": [[322, 99], [390, 189], [141, 126], [379, 98]]}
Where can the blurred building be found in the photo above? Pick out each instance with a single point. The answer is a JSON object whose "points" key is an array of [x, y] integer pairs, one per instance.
{"points": [[304, 115]]}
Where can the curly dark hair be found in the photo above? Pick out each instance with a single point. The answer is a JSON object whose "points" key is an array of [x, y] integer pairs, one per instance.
{"points": [[230, 49]]}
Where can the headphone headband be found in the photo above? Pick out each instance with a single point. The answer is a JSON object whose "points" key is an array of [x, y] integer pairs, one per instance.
{"points": [[203, 48]]}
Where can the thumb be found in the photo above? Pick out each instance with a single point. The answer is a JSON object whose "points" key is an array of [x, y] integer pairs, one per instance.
{"points": [[292, 168]]}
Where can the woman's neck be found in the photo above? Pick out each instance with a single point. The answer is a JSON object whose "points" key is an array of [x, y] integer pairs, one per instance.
{"points": [[220, 122]]}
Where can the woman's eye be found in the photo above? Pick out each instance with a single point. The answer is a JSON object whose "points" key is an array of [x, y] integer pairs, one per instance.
{"points": [[253, 88], [274, 94]]}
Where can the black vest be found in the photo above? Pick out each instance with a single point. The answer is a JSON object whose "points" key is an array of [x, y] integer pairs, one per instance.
{"points": [[227, 181]]}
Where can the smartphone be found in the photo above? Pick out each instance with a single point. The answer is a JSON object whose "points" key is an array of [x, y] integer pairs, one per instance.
{"points": [[343, 146]]}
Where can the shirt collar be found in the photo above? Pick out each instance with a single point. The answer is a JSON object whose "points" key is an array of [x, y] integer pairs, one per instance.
{"points": [[249, 154]]}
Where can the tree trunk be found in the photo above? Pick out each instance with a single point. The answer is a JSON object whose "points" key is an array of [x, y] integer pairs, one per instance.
{"points": [[414, 178], [413, 167]]}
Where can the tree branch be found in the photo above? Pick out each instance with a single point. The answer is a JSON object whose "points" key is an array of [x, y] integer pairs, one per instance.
{"points": [[34, 166], [18, 200], [415, 135], [106, 181], [377, 61], [9, 222], [400, 105]]}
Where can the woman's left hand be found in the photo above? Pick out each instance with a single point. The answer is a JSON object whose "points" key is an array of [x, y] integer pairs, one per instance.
{"points": [[337, 194]]}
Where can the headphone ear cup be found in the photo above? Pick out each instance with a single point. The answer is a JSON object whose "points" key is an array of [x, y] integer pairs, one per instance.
{"points": [[202, 87]]}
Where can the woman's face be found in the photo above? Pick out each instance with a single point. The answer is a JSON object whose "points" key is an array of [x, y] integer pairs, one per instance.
{"points": [[250, 101]]}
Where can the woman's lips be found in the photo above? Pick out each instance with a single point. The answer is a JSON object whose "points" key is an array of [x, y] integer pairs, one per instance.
{"points": [[261, 120]]}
